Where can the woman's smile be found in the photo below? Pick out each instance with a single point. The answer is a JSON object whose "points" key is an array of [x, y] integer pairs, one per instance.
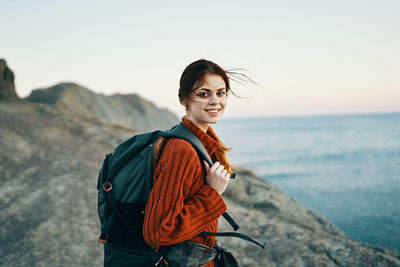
{"points": [[213, 111]]}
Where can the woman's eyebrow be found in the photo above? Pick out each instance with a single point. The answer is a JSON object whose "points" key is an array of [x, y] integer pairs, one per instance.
{"points": [[208, 90]]}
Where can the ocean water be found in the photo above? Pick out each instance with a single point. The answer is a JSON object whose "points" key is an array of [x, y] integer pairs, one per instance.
{"points": [[347, 167]]}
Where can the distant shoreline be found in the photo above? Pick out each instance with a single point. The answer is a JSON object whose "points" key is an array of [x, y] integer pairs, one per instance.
{"points": [[315, 115]]}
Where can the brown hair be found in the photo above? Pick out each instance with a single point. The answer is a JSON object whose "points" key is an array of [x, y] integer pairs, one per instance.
{"points": [[190, 80], [193, 75]]}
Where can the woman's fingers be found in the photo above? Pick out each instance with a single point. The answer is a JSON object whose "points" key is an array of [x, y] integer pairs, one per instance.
{"points": [[219, 169], [217, 177], [215, 166]]}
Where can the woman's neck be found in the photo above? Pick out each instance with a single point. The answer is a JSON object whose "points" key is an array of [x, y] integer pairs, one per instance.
{"points": [[203, 126]]}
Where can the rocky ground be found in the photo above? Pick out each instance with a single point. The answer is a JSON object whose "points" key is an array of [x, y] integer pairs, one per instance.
{"points": [[49, 165]]}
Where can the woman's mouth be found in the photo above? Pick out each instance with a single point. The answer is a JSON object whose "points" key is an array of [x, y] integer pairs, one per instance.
{"points": [[213, 111]]}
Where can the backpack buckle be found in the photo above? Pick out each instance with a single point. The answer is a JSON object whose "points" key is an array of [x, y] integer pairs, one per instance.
{"points": [[107, 186], [102, 239]]}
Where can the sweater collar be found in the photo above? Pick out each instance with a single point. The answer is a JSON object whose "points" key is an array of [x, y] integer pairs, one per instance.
{"points": [[209, 139]]}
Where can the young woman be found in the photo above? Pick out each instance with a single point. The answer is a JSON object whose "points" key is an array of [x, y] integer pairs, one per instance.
{"points": [[186, 196]]}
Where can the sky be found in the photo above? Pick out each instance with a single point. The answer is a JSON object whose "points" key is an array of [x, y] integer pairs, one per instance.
{"points": [[309, 57]]}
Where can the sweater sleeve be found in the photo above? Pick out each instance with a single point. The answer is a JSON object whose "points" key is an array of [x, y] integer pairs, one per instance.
{"points": [[173, 214]]}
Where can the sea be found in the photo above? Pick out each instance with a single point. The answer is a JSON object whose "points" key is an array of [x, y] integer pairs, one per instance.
{"points": [[347, 167]]}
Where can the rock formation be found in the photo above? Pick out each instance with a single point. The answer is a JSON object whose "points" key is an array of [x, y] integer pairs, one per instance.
{"points": [[7, 87], [49, 162], [48, 167], [127, 110]]}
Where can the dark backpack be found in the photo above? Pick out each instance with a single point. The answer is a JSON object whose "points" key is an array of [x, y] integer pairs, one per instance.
{"points": [[124, 184]]}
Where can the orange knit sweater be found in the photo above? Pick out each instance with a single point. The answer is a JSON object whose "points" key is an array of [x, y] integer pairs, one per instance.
{"points": [[181, 205]]}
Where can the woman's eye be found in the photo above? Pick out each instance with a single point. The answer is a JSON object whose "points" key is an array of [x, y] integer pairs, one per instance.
{"points": [[222, 93], [202, 94]]}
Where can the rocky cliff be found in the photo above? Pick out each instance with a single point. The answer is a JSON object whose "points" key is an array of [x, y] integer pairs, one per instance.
{"points": [[49, 161], [127, 110], [7, 87]]}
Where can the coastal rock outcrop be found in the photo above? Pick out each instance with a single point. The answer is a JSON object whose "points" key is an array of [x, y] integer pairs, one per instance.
{"points": [[49, 163], [127, 110], [7, 87]]}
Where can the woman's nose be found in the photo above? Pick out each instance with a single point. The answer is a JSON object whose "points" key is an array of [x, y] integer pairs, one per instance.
{"points": [[213, 99]]}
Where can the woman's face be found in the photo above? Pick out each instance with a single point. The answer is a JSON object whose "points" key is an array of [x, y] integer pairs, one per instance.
{"points": [[207, 103]]}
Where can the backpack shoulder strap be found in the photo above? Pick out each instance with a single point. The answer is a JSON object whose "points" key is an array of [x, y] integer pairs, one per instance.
{"points": [[180, 131], [156, 150], [234, 234]]}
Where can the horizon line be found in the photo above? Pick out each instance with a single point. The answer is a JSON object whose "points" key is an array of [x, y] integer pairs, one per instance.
{"points": [[361, 113]]}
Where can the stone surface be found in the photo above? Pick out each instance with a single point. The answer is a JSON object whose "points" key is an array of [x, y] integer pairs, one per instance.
{"points": [[7, 87]]}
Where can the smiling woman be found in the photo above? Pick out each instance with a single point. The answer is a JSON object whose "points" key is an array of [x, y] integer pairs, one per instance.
{"points": [[186, 197], [207, 103], [180, 221]]}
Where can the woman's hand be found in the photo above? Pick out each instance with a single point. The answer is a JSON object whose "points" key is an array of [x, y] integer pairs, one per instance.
{"points": [[217, 177]]}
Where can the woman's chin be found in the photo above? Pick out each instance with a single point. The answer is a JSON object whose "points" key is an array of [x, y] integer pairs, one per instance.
{"points": [[214, 120]]}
